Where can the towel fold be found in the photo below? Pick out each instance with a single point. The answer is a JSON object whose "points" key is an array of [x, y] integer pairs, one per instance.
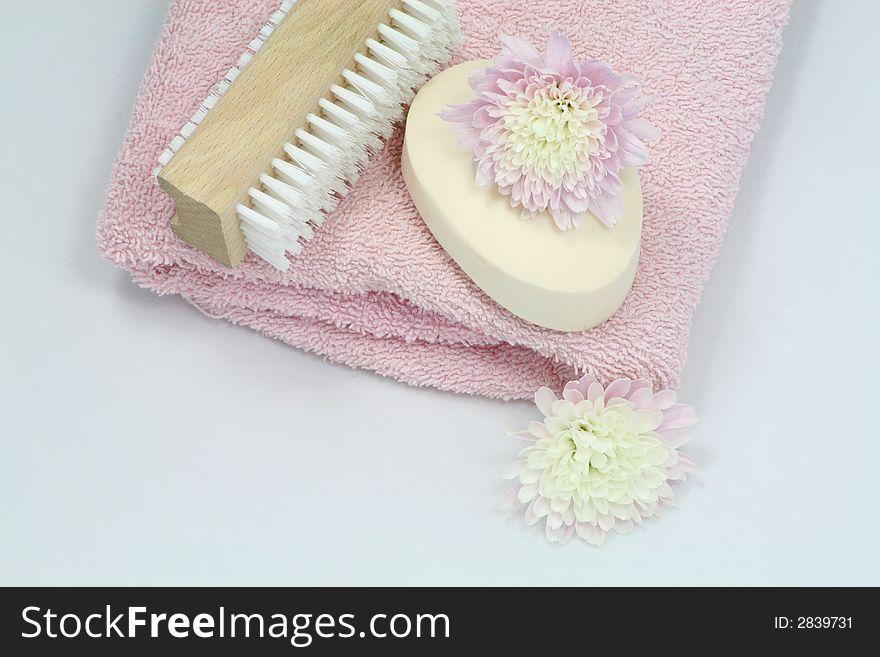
{"points": [[375, 290]]}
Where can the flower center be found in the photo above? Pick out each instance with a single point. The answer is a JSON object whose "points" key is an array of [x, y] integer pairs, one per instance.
{"points": [[605, 453], [551, 130]]}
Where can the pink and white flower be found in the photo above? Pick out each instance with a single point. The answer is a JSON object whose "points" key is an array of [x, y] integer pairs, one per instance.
{"points": [[553, 133], [602, 459]]}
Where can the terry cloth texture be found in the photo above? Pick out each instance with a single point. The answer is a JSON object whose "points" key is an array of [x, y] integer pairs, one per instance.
{"points": [[375, 290]]}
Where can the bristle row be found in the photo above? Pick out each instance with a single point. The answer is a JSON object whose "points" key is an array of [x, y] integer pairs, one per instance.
{"points": [[346, 128]]}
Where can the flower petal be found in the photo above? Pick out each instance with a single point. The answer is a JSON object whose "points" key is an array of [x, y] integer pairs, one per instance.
{"points": [[665, 399], [530, 516], [459, 113], [679, 416], [606, 209], [541, 506], [643, 130], [624, 526], [522, 435], [527, 493], [606, 521], [538, 430], [520, 49], [583, 384], [618, 388], [676, 438], [641, 398], [529, 476], [638, 384], [590, 533], [544, 399], [573, 395], [682, 466], [595, 391], [559, 534], [558, 58]]}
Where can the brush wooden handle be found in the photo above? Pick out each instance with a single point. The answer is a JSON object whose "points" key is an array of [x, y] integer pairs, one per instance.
{"points": [[260, 112]]}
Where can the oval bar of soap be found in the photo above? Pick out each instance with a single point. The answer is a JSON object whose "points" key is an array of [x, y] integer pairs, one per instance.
{"points": [[564, 280]]}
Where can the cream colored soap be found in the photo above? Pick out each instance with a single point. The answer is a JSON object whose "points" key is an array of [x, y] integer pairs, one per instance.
{"points": [[569, 281]]}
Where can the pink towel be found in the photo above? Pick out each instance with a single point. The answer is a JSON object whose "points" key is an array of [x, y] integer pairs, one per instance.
{"points": [[375, 290]]}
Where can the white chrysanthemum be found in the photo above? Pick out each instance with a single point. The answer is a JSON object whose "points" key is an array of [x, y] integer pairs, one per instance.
{"points": [[553, 133], [601, 459]]}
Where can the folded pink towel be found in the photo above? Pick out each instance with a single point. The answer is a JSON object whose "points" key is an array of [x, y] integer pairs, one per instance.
{"points": [[375, 290]]}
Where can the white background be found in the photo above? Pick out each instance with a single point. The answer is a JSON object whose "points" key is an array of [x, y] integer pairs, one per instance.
{"points": [[142, 443]]}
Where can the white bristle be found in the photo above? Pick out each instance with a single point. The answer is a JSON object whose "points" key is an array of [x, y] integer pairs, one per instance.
{"points": [[277, 245], [274, 225], [349, 143], [382, 74], [407, 76], [423, 11], [292, 174], [304, 230], [387, 55], [338, 157], [330, 132], [325, 178], [360, 131], [435, 24], [357, 101], [311, 163], [401, 42], [427, 35], [411, 25], [284, 192], [339, 114], [343, 131], [372, 90], [264, 236], [439, 17], [317, 194], [387, 101], [399, 91], [317, 146], [373, 117], [270, 243], [267, 242], [272, 211], [448, 12], [276, 258], [271, 206], [258, 221]]}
